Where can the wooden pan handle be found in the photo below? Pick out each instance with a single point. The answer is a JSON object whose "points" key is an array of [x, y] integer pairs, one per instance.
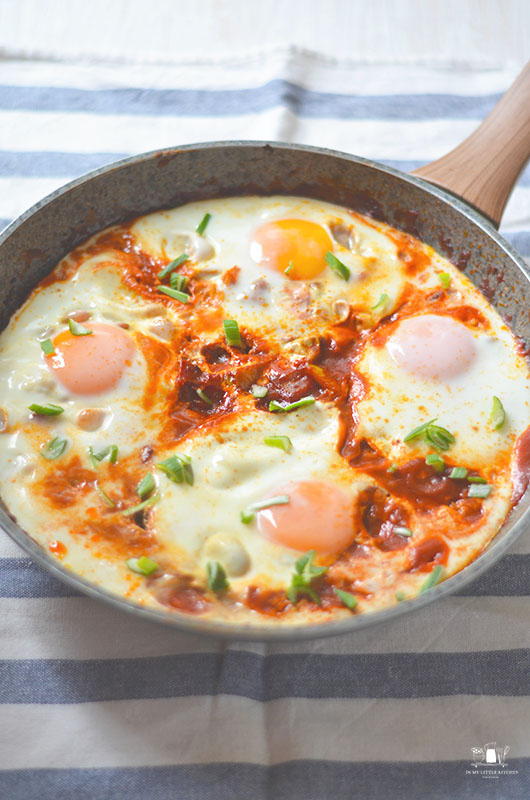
{"points": [[484, 168]]}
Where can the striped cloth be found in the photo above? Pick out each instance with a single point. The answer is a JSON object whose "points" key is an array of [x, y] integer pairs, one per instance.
{"points": [[98, 705]]}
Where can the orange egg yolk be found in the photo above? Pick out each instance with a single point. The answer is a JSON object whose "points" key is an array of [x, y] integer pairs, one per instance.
{"points": [[93, 363], [295, 245], [319, 516]]}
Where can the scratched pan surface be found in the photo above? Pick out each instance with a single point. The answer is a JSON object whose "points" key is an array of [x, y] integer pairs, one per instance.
{"points": [[32, 245]]}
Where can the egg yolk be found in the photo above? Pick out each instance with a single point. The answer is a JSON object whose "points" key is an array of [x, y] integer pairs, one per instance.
{"points": [[295, 245], [432, 346], [319, 516], [93, 363]]}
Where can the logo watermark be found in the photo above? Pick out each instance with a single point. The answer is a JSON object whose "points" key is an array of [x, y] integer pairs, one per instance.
{"points": [[489, 761]]}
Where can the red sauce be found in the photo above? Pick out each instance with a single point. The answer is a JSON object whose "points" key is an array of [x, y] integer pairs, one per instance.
{"points": [[380, 515], [428, 553], [266, 601], [65, 484], [521, 466], [58, 548]]}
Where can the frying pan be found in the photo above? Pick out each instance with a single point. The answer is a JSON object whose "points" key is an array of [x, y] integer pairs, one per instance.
{"points": [[456, 212]]}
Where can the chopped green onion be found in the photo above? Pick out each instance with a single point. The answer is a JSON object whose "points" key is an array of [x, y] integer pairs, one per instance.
{"points": [[476, 479], [337, 266], [105, 497], [497, 414], [178, 282], [54, 448], [201, 227], [400, 596], [347, 598], [419, 431], [93, 459], [477, 490], [204, 397], [178, 469], [217, 580], [282, 442], [435, 461], [432, 579], [182, 297], [233, 336], [76, 329], [305, 573], [48, 409], [47, 347], [259, 391], [393, 467], [401, 530], [172, 265], [289, 268], [438, 437], [140, 507], [248, 514], [110, 450], [143, 565], [381, 303], [458, 473], [304, 401], [146, 486], [445, 279]]}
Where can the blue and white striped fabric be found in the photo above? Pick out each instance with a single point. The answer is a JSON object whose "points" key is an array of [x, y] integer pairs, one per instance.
{"points": [[97, 705]]}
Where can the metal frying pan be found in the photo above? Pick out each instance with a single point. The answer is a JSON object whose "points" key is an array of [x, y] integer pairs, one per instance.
{"points": [[482, 171]]}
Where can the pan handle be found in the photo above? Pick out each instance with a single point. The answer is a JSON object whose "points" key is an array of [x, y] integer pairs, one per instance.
{"points": [[483, 169]]}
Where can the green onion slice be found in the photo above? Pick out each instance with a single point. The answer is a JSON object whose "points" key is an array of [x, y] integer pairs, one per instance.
{"points": [[76, 329], [143, 565], [172, 265], [248, 514], [479, 490], [201, 227], [393, 467], [305, 572], [47, 409], [182, 297], [476, 479], [445, 279], [54, 448], [435, 461], [347, 598], [402, 530], [282, 442], [216, 576], [337, 266], [381, 303], [105, 497], [304, 401], [233, 336], [204, 397], [497, 414], [178, 469], [400, 596], [140, 507], [146, 486], [432, 579], [110, 451], [458, 473], [259, 391], [178, 282], [438, 437], [47, 347], [289, 268]]}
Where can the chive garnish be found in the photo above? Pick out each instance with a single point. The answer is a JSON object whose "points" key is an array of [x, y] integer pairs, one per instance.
{"points": [[445, 279], [381, 303], [458, 473], [182, 297], [146, 486], [337, 266], [233, 336], [438, 437], [143, 565], [140, 507], [204, 397], [105, 497], [305, 572], [172, 265], [400, 596], [259, 391], [393, 467], [178, 469], [54, 448], [47, 409], [402, 530], [479, 490], [435, 461], [248, 514], [347, 598], [497, 414], [201, 227], [217, 580], [47, 347], [178, 282], [282, 442], [432, 579], [289, 268], [110, 451], [304, 401], [476, 479], [76, 329]]}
